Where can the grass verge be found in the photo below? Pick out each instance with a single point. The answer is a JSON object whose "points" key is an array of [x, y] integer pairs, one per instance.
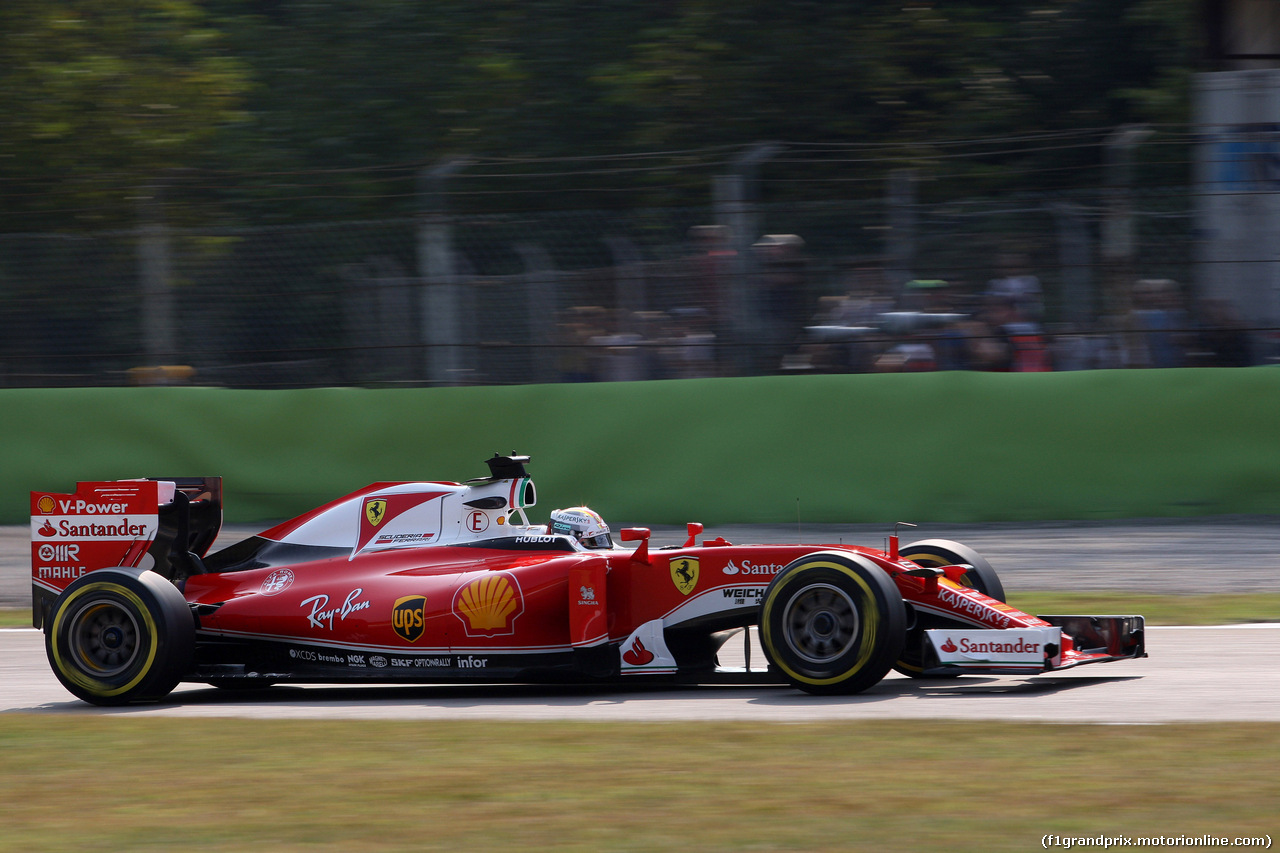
{"points": [[116, 783], [1158, 609], [1221, 609]]}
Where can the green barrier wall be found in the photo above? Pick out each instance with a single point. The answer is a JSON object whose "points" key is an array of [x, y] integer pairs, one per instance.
{"points": [[952, 447]]}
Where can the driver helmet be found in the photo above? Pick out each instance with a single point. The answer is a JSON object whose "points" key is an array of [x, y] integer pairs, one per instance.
{"points": [[582, 524]]}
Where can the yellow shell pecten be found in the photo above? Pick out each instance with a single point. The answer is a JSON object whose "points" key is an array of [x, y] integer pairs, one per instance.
{"points": [[488, 602]]}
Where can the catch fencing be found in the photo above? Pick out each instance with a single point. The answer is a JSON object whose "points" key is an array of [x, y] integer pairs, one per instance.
{"points": [[583, 295]]}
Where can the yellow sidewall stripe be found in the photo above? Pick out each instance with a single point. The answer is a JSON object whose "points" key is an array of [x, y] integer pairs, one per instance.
{"points": [[870, 618], [73, 673]]}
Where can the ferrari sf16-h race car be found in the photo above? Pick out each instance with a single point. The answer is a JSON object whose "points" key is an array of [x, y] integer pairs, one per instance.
{"points": [[426, 582]]}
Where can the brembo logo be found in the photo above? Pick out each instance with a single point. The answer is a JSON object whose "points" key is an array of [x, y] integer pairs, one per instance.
{"points": [[750, 568]]}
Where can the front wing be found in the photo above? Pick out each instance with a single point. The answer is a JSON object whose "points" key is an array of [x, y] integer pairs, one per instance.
{"points": [[1065, 642]]}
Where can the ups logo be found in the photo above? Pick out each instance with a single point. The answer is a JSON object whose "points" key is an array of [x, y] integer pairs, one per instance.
{"points": [[408, 617]]}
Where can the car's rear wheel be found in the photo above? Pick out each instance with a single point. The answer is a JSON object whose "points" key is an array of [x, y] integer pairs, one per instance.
{"points": [[120, 635], [832, 623], [934, 553]]}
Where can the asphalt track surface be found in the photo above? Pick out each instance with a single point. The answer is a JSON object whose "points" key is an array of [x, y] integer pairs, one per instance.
{"points": [[1221, 674]]}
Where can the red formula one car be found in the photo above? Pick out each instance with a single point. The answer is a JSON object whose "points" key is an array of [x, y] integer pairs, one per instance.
{"points": [[441, 581]]}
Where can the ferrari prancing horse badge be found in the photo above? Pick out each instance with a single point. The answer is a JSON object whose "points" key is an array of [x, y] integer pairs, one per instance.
{"points": [[684, 572]]}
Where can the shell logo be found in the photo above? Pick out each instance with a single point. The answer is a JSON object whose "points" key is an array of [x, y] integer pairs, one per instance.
{"points": [[489, 605], [45, 505]]}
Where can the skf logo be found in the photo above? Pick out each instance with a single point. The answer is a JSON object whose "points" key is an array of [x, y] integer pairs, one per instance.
{"points": [[489, 606], [45, 505], [408, 617], [375, 510], [684, 573]]}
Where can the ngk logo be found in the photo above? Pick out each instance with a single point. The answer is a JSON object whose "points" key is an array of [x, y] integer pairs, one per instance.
{"points": [[59, 553]]}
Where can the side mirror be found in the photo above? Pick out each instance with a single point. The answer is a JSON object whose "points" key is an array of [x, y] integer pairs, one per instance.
{"points": [[694, 529], [637, 534]]}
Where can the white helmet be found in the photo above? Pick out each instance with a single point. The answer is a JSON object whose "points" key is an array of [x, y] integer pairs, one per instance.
{"points": [[582, 524]]}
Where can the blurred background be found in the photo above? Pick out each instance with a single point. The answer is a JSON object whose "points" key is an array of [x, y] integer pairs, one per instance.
{"points": [[293, 193]]}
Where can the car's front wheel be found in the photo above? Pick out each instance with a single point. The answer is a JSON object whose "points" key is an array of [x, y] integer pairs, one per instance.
{"points": [[832, 623]]}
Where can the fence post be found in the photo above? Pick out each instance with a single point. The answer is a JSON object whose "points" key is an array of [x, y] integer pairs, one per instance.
{"points": [[543, 310], [630, 295], [443, 356], [735, 197], [1075, 263], [155, 270], [900, 242], [1117, 230]]}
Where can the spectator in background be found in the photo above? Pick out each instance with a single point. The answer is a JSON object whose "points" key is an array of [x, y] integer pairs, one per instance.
{"points": [[577, 327], [1020, 341], [1160, 324], [691, 345], [1016, 283], [1221, 340], [711, 267], [784, 293]]}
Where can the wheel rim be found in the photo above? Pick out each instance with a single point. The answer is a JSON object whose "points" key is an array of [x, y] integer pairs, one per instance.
{"points": [[820, 623], [103, 638]]}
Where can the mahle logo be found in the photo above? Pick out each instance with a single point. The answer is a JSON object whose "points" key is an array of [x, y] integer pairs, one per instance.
{"points": [[408, 617]]}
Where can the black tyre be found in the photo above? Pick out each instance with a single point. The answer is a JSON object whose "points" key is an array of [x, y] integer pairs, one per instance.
{"points": [[832, 623], [120, 635], [933, 553]]}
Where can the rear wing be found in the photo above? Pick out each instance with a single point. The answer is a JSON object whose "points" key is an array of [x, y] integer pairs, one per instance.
{"points": [[163, 524]]}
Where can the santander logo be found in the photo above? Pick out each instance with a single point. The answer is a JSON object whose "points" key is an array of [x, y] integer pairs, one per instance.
{"points": [[47, 529], [750, 568], [637, 655], [949, 646]]}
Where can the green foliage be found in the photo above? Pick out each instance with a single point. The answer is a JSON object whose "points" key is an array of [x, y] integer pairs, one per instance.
{"points": [[303, 109], [100, 98]]}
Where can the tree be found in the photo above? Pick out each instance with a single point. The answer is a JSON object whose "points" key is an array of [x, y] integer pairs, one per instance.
{"points": [[101, 98]]}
